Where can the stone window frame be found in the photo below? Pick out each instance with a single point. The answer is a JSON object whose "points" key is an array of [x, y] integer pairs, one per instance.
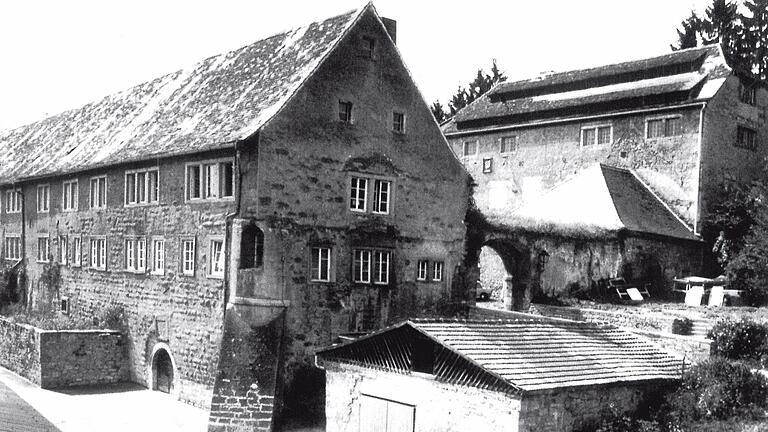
{"points": [[64, 304], [374, 273], [372, 200], [152, 255], [74, 190], [147, 187], [596, 128], [12, 200], [134, 263], [46, 203], [345, 111], [435, 276], [399, 121], [503, 150], [210, 274], [476, 144], [100, 243], [7, 247], [203, 181], [43, 239], [422, 270], [99, 187], [316, 277], [426, 270], [182, 256], [664, 118], [77, 251], [487, 165]]}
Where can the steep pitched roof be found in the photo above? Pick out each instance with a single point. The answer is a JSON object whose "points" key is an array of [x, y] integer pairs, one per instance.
{"points": [[679, 77], [600, 200], [516, 356], [218, 101]]}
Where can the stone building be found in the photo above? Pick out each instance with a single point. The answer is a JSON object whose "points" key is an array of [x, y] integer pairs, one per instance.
{"points": [[684, 122], [243, 212], [495, 375]]}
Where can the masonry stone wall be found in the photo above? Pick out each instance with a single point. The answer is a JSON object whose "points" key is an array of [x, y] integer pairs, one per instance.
{"points": [[438, 406], [20, 349], [547, 155]]}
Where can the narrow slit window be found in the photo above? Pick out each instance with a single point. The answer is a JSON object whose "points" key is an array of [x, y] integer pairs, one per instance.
{"points": [[437, 271], [188, 257], [423, 270], [158, 256]]}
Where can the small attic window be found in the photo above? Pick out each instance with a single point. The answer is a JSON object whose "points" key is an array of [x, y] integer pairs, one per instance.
{"points": [[747, 93], [345, 112], [367, 47]]}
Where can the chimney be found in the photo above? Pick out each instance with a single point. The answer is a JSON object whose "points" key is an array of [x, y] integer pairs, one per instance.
{"points": [[391, 26]]}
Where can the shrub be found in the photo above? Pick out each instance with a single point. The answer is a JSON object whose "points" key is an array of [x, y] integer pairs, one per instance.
{"points": [[682, 326], [718, 389], [112, 318], [740, 340]]}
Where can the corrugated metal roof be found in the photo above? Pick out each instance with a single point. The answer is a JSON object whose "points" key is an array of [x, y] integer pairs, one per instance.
{"points": [[217, 101], [529, 355]]}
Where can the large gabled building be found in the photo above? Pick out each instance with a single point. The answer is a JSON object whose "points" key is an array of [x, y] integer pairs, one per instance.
{"points": [[243, 212]]}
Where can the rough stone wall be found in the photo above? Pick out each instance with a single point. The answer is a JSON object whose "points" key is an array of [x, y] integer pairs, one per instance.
{"points": [[438, 406], [20, 349], [569, 410], [548, 155], [721, 159], [81, 357], [184, 312]]}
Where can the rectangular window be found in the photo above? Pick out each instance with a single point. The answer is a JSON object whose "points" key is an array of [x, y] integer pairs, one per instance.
{"points": [[63, 250], [98, 195], [655, 128], [381, 196], [748, 93], [141, 187], [596, 135], [470, 148], [13, 201], [381, 267], [487, 165], [43, 198], [188, 257], [216, 259], [158, 256], [210, 180], [345, 112], [746, 138], [321, 264], [99, 253], [437, 271], [361, 267], [588, 137], [358, 199], [398, 122], [604, 135], [135, 254], [367, 47], [508, 144], [12, 247], [77, 251], [664, 127], [43, 250], [69, 195], [423, 270]]}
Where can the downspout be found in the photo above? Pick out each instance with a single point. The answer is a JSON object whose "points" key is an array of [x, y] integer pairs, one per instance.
{"points": [[698, 179], [228, 223]]}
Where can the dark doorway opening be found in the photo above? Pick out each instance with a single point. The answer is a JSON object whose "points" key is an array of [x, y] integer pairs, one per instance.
{"points": [[162, 371]]}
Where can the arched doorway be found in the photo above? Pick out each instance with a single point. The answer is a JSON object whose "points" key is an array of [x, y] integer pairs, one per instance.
{"points": [[162, 371]]}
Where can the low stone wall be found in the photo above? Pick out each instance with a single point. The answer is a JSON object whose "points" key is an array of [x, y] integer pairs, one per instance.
{"points": [[62, 358]]}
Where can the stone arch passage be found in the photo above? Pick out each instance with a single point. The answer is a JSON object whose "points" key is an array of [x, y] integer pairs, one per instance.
{"points": [[515, 257], [162, 371]]}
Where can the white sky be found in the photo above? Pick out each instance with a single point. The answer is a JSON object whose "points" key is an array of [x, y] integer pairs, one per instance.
{"points": [[56, 55]]}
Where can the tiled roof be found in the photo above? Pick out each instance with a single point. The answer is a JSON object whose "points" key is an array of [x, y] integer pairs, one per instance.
{"points": [[598, 201], [683, 76], [214, 103], [528, 355]]}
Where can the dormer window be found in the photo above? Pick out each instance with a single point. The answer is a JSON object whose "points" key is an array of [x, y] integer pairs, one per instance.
{"points": [[367, 47], [345, 112]]}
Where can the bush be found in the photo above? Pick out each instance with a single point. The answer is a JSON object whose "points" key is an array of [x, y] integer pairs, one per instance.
{"points": [[682, 326], [744, 340], [717, 389], [112, 318]]}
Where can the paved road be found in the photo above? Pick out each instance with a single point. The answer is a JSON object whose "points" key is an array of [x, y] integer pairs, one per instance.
{"points": [[18, 416]]}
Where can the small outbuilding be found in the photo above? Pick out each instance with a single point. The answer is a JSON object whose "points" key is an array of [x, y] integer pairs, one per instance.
{"points": [[500, 375]]}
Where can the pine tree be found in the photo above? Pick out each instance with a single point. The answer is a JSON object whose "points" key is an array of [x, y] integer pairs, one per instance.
{"points": [[755, 37], [438, 111], [465, 96], [720, 23], [688, 36]]}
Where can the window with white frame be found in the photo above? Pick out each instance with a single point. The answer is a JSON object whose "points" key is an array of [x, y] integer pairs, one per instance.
{"points": [[141, 187], [746, 138], [663, 127], [381, 194], [13, 201], [371, 266], [69, 195], [508, 144], [135, 254], [487, 165], [381, 267], [63, 250], [158, 256], [596, 135], [210, 180], [358, 194], [437, 271], [398, 122], [361, 267], [188, 257], [216, 258], [98, 193], [43, 249], [43, 198], [99, 253], [77, 251], [321, 264], [423, 270], [470, 148], [12, 247]]}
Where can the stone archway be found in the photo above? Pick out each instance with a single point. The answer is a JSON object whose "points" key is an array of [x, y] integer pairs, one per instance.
{"points": [[163, 370]]}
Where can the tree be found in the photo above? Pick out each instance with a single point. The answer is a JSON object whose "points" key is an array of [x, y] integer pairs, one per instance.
{"points": [[755, 36], [688, 36], [720, 23], [465, 96]]}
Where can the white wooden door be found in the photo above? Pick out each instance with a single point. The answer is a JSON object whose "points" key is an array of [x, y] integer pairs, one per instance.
{"points": [[382, 415]]}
